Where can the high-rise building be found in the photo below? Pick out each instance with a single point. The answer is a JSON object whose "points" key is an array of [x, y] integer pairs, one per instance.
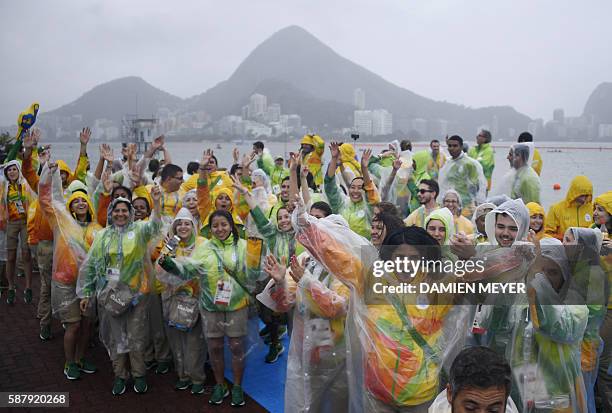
{"points": [[559, 116], [273, 113], [359, 99], [363, 122], [382, 122], [258, 105]]}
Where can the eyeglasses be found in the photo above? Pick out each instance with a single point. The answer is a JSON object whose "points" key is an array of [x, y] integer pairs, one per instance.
{"points": [[424, 191]]}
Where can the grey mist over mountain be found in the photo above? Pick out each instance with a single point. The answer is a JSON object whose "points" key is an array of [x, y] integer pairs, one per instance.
{"points": [[302, 74]]}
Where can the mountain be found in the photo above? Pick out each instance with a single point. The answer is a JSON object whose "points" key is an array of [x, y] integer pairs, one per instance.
{"points": [[599, 103], [302, 70], [114, 99]]}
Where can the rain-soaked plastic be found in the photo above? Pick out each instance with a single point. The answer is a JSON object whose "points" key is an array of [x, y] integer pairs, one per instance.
{"points": [[119, 257], [521, 183], [396, 191], [316, 367], [396, 349], [71, 239], [464, 175]]}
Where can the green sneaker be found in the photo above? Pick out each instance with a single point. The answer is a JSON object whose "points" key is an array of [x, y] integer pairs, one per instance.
{"points": [[71, 371], [118, 387], [27, 296], [182, 385], [87, 366], [197, 388], [10, 298], [163, 367], [219, 393], [45, 333], [237, 396], [140, 385], [276, 349]]}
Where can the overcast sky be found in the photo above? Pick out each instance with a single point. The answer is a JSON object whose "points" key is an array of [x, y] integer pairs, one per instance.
{"points": [[532, 55]]}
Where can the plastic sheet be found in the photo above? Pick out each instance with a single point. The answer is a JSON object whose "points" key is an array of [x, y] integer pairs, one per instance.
{"points": [[388, 362], [465, 176], [316, 367]]}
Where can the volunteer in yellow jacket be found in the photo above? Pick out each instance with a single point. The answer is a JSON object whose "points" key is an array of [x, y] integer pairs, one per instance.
{"points": [[536, 219], [220, 263], [452, 201], [427, 193], [357, 207], [312, 148], [16, 198], [576, 210]]}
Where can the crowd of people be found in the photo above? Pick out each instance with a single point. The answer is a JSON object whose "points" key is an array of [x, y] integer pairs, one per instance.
{"points": [[166, 266]]}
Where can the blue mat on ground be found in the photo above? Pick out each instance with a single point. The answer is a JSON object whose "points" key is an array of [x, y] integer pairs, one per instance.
{"points": [[262, 381]]}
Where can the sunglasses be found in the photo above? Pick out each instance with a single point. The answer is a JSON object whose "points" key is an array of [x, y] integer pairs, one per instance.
{"points": [[424, 191]]}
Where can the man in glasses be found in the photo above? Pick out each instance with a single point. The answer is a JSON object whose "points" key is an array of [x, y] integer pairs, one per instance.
{"points": [[427, 194]]}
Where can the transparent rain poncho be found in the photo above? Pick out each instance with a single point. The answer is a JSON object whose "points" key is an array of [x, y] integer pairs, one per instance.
{"points": [[465, 176], [71, 239], [542, 339], [119, 257], [395, 350], [591, 283], [187, 343], [316, 367], [521, 183]]}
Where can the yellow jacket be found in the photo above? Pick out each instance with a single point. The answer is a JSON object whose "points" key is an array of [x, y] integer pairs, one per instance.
{"points": [[567, 213], [536, 163], [536, 209]]}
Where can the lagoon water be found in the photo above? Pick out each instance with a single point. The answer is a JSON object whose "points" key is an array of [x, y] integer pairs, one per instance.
{"points": [[562, 160]]}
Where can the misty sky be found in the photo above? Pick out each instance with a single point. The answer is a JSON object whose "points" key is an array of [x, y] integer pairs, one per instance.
{"points": [[532, 55]]}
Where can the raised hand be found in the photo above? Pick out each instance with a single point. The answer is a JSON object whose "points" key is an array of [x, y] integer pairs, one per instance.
{"points": [[297, 269], [304, 171], [131, 151], [106, 153], [206, 156], [84, 136], [158, 143], [44, 156], [294, 161], [35, 136], [236, 155], [334, 149], [365, 158], [28, 140], [238, 186], [52, 167], [135, 176], [397, 164], [156, 194], [107, 181], [274, 268]]}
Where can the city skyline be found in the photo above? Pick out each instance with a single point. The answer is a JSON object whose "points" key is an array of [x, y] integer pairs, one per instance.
{"points": [[522, 60]]}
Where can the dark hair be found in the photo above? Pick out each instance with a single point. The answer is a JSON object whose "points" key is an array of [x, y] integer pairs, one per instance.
{"points": [[525, 137], [479, 367], [322, 206], [456, 138], [258, 145], [121, 187], [391, 222], [234, 168], [223, 213], [387, 208], [215, 158], [154, 165], [406, 145], [420, 239], [434, 141], [432, 184], [192, 167], [309, 180], [169, 171], [284, 179], [143, 199], [486, 134]]}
